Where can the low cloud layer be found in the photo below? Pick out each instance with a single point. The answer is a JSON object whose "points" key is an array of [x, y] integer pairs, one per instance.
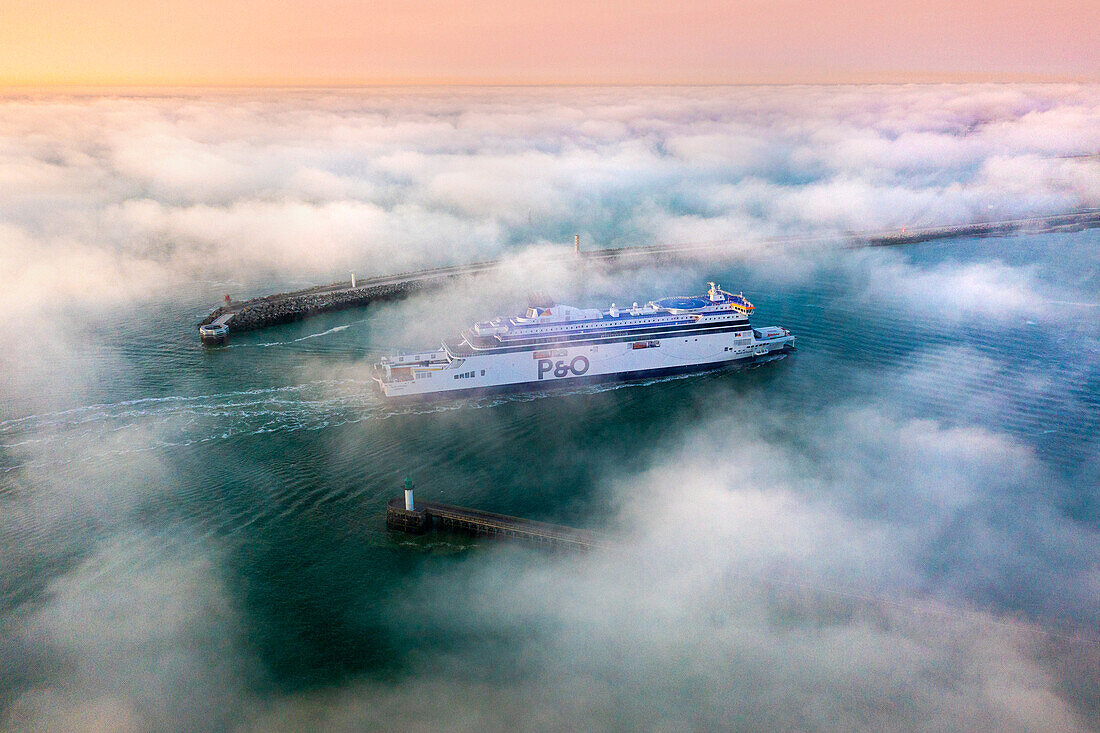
{"points": [[757, 585], [129, 642], [115, 200], [233, 185], [903, 551]]}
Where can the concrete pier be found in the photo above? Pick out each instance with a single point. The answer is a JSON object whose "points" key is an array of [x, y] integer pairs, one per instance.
{"points": [[248, 315], [410, 521], [217, 331], [285, 307], [442, 517]]}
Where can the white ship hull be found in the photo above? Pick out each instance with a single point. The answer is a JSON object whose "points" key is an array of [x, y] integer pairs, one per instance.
{"points": [[436, 373], [560, 345]]}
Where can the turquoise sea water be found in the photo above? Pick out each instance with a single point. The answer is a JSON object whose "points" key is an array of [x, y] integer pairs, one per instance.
{"points": [[273, 458], [893, 528]]}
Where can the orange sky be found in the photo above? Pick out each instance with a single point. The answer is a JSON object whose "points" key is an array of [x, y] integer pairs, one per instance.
{"points": [[560, 41]]}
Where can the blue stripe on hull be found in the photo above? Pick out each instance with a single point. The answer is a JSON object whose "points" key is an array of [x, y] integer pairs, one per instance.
{"points": [[542, 386]]}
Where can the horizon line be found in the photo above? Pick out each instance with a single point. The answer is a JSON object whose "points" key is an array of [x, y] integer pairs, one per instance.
{"points": [[874, 78]]}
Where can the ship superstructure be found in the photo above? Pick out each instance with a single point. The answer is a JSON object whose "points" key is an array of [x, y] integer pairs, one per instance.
{"points": [[558, 344]]}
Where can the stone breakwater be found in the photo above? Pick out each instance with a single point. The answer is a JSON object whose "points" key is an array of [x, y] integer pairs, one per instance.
{"points": [[285, 307]]}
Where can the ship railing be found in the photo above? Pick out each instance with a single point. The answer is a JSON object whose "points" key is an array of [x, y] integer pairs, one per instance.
{"points": [[403, 358]]}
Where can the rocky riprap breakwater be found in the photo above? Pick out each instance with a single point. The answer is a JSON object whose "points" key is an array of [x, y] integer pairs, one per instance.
{"points": [[286, 307]]}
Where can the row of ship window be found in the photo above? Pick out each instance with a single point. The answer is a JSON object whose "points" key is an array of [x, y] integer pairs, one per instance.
{"points": [[464, 375], [608, 334], [589, 325]]}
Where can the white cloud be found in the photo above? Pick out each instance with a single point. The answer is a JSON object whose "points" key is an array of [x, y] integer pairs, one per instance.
{"points": [[142, 650], [795, 590], [954, 291], [750, 586]]}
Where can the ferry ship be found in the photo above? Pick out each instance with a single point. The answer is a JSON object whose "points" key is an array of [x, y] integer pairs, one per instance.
{"points": [[559, 344]]}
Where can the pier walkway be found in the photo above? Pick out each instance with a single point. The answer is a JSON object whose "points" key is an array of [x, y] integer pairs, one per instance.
{"points": [[430, 515]]}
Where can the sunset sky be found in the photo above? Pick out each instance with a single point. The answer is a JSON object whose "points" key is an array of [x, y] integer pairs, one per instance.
{"points": [[523, 41]]}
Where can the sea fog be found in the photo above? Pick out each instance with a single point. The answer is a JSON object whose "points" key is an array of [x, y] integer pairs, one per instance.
{"points": [[894, 528]]}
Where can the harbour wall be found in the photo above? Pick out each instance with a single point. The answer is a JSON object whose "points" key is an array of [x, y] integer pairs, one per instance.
{"points": [[285, 307], [270, 310]]}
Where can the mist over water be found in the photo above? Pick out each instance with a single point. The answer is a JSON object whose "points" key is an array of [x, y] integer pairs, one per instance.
{"points": [[895, 527]]}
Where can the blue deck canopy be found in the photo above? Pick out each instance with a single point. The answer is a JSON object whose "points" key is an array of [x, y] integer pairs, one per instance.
{"points": [[682, 303]]}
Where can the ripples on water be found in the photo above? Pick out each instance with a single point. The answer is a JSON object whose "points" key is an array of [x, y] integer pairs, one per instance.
{"points": [[279, 448], [1036, 380], [180, 421]]}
